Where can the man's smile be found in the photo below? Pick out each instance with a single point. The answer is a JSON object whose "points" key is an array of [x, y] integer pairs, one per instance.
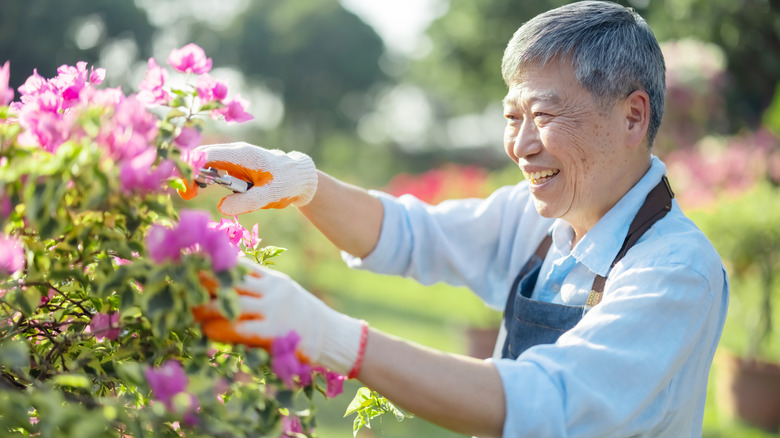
{"points": [[541, 176]]}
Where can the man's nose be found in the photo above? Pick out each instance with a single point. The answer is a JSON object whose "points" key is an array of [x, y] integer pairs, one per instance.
{"points": [[526, 140]]}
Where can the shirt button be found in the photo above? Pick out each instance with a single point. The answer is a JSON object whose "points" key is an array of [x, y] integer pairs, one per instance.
{"points": [[556, 287]]}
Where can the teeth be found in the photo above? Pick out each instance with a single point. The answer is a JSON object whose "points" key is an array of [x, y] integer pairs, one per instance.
{"points": [[535, 177]]}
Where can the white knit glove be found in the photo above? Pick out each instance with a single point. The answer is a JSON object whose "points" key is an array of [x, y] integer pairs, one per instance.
{"points": [[279, 179], [272, 305]]}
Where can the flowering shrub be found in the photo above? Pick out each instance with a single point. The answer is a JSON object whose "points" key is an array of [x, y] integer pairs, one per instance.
{"points": [[99, 272], [446, 182]]}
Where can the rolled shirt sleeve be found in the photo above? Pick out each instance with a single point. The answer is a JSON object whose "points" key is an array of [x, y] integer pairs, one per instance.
{"points": [[478, 243]]}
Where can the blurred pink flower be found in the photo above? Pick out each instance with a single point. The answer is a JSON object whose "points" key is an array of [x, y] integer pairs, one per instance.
{"points": [[196, 159], [210, 89], [191, 227], [43, 122], [105, 326], [190, 59], [138, 175], [192, 232], [6, 93], [224, 255], [166, 381], [162, 244], [285, 363], [151, 87], [235, 110], [291, 425], [11, 255], [188, 138]]}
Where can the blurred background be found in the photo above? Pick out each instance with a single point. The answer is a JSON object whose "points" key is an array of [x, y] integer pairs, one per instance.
{"points": [[404, 96]]}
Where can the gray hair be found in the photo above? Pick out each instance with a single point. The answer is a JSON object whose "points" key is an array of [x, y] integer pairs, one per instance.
{"points": [[612, 50]]}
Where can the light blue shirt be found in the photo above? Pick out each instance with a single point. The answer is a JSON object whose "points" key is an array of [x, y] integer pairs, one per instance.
{"points": [[637, 364]]}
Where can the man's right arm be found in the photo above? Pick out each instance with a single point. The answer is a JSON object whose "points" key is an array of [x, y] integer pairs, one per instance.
{"points": [[347, 215]]}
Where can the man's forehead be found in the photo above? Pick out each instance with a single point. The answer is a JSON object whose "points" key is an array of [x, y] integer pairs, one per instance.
{"points": [[531, 95]]}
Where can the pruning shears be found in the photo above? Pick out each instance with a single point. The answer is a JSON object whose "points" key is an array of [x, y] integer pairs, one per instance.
{"points": [[208, 176]]}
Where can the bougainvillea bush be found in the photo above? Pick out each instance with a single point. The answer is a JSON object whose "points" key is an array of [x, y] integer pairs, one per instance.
{"points": [[99, 272]]}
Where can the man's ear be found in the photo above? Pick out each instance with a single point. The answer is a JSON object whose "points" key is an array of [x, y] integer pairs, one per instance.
{"points": [[637, 110]]}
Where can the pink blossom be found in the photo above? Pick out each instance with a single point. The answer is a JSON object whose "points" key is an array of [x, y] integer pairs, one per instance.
{"points": [[251, 239], [151, 87], [192, 232], [44, 125], [105, 326], [6, 93], [97, 76], [34, 85], [191, 227], [6, 208], [210, 89], [335, 383], [11, 255], [190, 59], [224, 255], [196, 159], [235, 110], [188, 138], [166, 381], [285, 363], [162, 244], [291, 425], [130, 131], [138, 176], [233, 229]]}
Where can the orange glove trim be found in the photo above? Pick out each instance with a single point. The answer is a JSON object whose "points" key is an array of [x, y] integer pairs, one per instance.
{"points": [[258, 177], [190, 192], [209, 282], [222, 330], [282, 203]]}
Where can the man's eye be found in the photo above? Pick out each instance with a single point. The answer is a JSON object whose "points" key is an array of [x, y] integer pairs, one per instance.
{"points": [[511, 117], [541, 114]]}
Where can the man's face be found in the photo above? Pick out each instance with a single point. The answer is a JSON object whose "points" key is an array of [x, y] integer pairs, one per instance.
{"points": [[569, 149]]}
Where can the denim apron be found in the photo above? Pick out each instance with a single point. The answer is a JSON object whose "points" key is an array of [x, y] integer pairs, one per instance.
{"points": [[529, 322]]}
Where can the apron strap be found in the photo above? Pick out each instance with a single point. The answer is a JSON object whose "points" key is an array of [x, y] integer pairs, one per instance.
{"points": [[657, 204]]}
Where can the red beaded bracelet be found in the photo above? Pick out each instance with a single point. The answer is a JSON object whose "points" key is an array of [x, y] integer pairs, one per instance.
{"points": [[361, 352]]}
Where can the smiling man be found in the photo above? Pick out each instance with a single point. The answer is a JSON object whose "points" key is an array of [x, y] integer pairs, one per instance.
{"points": [[613, 300]]}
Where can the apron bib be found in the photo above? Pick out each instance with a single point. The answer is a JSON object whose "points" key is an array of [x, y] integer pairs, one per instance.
{"points": [[529, 322]]}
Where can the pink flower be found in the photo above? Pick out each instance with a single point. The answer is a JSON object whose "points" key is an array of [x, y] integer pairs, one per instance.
{"points": [[251, 239], [137, 175], [192, 231], [162, 244], [224, 255], [151, 87], [6, 93], [11, 255], [232, 229], [129, 131], [335, 383], [191, 227], [285, 363], [210, 89], [291, 425], [44, 125], [105, 326], [190, 59], [34, 85], [195, 159], [188, 138], [166, 381], [234, 110]]}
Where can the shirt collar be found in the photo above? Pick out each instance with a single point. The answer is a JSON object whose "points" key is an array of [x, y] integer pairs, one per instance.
{"points": [[598, 248]]}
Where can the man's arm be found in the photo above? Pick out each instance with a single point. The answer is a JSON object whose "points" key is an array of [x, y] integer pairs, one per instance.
{"points": [[347, 215], [456, 392]]}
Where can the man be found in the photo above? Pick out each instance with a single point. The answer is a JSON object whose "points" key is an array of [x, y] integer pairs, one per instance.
{"points": [[611, 322]]}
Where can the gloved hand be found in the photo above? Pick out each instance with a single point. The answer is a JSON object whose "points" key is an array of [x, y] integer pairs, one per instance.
{"points": [[279, 178], [272, 305]]}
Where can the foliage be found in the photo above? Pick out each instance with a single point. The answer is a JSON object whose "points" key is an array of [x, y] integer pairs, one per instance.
{"points": [[744, 231], [369, 404], [99, 273]]}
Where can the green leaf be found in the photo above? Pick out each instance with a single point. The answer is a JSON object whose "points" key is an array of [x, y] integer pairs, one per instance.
{"points": [[14, 354], [72, 381], [177, 184]]}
